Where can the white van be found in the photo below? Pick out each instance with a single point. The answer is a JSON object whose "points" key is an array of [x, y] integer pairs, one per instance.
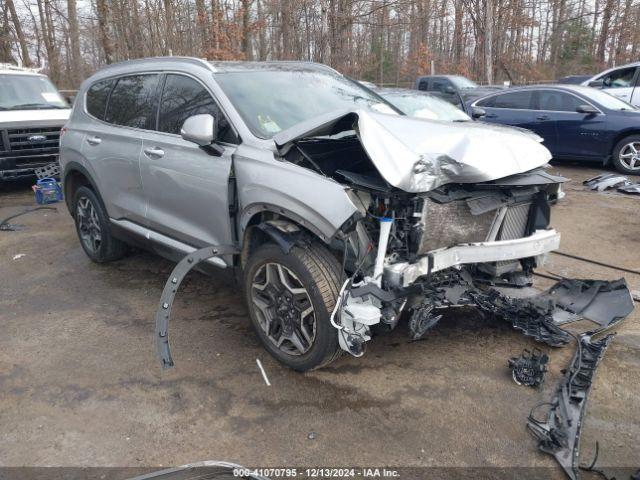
{"points": [[32, 112], [622, 82]]}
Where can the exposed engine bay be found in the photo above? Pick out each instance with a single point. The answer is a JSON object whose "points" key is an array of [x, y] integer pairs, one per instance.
{"points": [[398, 241]]}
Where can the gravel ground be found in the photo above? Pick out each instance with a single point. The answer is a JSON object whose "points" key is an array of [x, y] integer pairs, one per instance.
{"points": [[80, 384]]}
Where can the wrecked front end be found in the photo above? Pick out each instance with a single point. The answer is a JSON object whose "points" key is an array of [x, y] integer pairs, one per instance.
{"points": [[451, 246], [447, 214]]}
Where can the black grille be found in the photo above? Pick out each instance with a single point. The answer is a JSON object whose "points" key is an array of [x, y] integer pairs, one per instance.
{"points": [[30, 147]]}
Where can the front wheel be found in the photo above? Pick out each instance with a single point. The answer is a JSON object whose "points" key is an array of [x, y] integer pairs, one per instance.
{"points": [[290, 297], [626, 155]]}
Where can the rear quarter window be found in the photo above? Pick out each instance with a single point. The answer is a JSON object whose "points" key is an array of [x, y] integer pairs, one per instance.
{"points": [[97, 97], [134, 102]]}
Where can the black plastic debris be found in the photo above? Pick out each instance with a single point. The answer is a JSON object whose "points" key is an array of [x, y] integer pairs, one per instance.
{"points": [[559, 434], [422, 320], [603, 302], [529, 368], [532, 316]]}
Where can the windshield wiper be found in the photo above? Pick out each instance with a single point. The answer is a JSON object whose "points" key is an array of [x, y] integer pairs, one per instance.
{"points": [[35, 106]]}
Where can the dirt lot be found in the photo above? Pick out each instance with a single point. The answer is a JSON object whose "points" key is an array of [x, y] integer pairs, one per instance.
{"points": [[80, 384]]}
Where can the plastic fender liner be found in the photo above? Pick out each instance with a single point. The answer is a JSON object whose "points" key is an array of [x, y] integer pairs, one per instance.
{"points": [[169, 293], [283, 239]]}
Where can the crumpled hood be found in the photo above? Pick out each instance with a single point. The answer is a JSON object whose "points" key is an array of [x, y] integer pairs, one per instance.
{"points": [[418, 155]]}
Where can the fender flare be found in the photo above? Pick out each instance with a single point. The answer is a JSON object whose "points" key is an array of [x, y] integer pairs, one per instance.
{"points": [[163, 314]]}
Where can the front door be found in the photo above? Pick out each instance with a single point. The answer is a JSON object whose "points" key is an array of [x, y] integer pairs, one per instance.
{"points": [[620, 83], [187, 188], [577, 135]]}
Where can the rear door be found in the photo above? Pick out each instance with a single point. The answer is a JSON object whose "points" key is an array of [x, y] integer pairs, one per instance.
{"points": [[112, 145], [621, 82], [509, 108], [635, 96], [187, 188]]}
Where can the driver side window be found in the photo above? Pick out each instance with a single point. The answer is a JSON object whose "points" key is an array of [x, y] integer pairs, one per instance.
{"points": [[440, 85], [184, 97], [622, 78]]}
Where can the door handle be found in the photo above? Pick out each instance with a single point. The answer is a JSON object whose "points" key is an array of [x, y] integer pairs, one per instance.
{"points": [[154, 152], [542, 117], [94, 140], [491, 115]]}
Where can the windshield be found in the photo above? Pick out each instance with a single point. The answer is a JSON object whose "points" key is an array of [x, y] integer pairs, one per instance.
{"points": [[463, 82], [272, 101], [606, 100], [425, 106], [28, 92]]}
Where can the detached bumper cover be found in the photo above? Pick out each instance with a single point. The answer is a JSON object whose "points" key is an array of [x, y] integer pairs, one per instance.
{"points": [[539, 243]]}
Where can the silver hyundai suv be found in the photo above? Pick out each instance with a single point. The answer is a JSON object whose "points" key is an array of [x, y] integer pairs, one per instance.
{"points": [[342, 212]]}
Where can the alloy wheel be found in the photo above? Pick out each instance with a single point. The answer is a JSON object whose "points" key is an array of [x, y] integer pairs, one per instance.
{"points": [[88, 224], [283, 308], [630, 156]]}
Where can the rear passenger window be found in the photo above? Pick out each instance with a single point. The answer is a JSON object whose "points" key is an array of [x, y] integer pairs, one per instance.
{"points": [[558, 101], [134, 101], [97, 97], [184, 97], [512, 100]]}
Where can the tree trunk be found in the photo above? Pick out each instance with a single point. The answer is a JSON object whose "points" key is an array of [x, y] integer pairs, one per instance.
{"points": [[74, 40], [457, 31], [488, 41], [5, 39], [103, 19], [24, 50], [203, 21], [604, 31], [246, 29]]}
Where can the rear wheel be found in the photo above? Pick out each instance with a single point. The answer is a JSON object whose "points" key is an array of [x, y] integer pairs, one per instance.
{"points": [[92, 226], [626, 155], [290, 297]]}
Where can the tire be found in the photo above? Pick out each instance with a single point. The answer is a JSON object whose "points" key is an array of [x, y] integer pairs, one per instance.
{"points": [[278, 315], [93, 228], [626, 155]]}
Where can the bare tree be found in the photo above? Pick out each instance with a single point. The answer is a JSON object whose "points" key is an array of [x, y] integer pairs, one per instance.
{"points": [[24, 50]]}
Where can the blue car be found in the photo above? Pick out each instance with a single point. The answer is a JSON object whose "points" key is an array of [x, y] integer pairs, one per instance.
{"points": [[575, 122]]}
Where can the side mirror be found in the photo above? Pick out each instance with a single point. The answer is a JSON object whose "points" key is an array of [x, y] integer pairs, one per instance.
{"points": [[203, 131], [477, 112], [587, 109], [597, 84], [449, 89], [199, 129]]}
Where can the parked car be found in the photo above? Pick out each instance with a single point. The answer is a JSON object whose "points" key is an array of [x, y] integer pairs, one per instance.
{"points": [[337, 210], [574, 79], [455, 89], [622, 82], [32, 112], [576, 122], [422, 104]]}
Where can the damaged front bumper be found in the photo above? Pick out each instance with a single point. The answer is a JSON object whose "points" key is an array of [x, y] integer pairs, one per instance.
{"points": [[539, 243]]}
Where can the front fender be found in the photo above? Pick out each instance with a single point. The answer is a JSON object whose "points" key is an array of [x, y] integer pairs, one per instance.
{"points": [[315, 202]]}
